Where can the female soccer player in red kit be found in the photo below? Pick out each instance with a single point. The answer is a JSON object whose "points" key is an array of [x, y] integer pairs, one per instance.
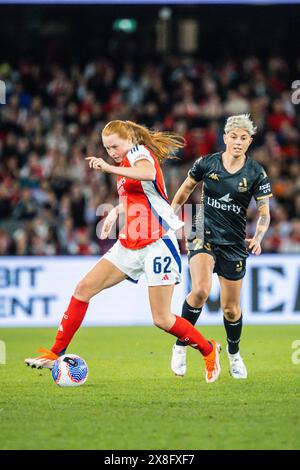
{"points": [[147, 244]]}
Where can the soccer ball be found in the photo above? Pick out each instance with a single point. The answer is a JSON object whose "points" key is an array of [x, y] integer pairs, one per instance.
{"points": [[70, 370]]}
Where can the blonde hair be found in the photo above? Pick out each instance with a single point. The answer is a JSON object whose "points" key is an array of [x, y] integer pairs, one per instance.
{"points": [[162, 144], [241, 121]]}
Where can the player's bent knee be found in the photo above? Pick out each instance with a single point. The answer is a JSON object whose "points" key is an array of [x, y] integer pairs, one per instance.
{"points": [[201, 294], [85, 291], [162, 323], [231, 312]]}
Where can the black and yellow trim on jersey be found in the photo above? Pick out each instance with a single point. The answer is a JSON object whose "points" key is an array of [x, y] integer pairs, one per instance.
{"points": [[264, 197]]}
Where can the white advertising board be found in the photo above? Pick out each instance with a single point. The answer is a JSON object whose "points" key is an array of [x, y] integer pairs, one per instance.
{"points": [[35, 291]]}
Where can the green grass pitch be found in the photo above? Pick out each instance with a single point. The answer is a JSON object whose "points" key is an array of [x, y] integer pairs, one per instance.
{"points": [[132, 401]]}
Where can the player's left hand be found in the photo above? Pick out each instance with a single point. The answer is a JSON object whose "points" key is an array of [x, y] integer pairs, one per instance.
{"points": [[254, 246], [98, 164]]}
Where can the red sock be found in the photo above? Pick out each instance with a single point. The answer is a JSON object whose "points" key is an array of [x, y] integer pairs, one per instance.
{"points": [[188, 334], [70, 323]]}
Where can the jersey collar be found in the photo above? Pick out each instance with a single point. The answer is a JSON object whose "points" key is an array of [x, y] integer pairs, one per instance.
{"points": [[236, 172]]}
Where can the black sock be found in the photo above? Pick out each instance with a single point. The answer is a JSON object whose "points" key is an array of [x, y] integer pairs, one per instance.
{"points": [[234, 331], [191, 314]]}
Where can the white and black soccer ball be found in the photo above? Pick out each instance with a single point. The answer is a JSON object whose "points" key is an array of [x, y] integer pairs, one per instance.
{"points": [[70, 370]]}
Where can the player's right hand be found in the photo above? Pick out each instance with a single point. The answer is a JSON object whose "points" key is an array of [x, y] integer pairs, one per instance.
{"points": [[254, 246]]}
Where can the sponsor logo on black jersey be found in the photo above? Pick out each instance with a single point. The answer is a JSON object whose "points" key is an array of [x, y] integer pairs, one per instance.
{"points": [[226, 198], [214, 176], [223, 204], [265, 188]]}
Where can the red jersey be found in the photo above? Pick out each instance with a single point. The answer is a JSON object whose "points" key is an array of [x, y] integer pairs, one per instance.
{"points": [[148, 213]]}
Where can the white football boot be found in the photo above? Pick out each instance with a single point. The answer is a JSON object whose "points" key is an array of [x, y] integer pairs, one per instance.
{"points": [[237, 367], [45, 361], [178, 362]]}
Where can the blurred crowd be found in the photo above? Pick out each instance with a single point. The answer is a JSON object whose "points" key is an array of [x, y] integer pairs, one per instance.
{"points": [[53, 119]]}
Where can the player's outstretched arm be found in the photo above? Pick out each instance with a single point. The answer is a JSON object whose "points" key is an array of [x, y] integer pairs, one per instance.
{"points": [[262, 226], [142, 170], [184, 193]]}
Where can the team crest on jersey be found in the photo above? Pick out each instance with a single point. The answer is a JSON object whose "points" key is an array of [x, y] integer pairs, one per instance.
{"points": [[243, 186], [214, 176]]}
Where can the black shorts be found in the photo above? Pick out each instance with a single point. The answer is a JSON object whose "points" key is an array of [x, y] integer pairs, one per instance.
{"points": [[231, 269]]}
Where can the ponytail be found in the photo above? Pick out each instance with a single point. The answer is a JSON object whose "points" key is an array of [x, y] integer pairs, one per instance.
{"points": [[162, 144]]}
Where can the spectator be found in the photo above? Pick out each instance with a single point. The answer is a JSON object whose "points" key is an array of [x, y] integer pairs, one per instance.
{"points": [[47, 131]]}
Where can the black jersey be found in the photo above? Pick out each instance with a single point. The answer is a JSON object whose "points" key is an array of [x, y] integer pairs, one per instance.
{"points": [[226, 197]]}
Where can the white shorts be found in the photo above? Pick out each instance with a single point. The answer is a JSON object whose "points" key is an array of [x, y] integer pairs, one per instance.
{"points": [[160, 261]]}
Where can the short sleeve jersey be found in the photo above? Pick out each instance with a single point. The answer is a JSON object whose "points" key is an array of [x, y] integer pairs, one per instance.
{"points": [[226, 196], [148, 213]]}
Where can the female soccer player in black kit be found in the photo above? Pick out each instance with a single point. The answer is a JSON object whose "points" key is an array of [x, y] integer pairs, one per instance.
{"points": [[218, 241]]}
